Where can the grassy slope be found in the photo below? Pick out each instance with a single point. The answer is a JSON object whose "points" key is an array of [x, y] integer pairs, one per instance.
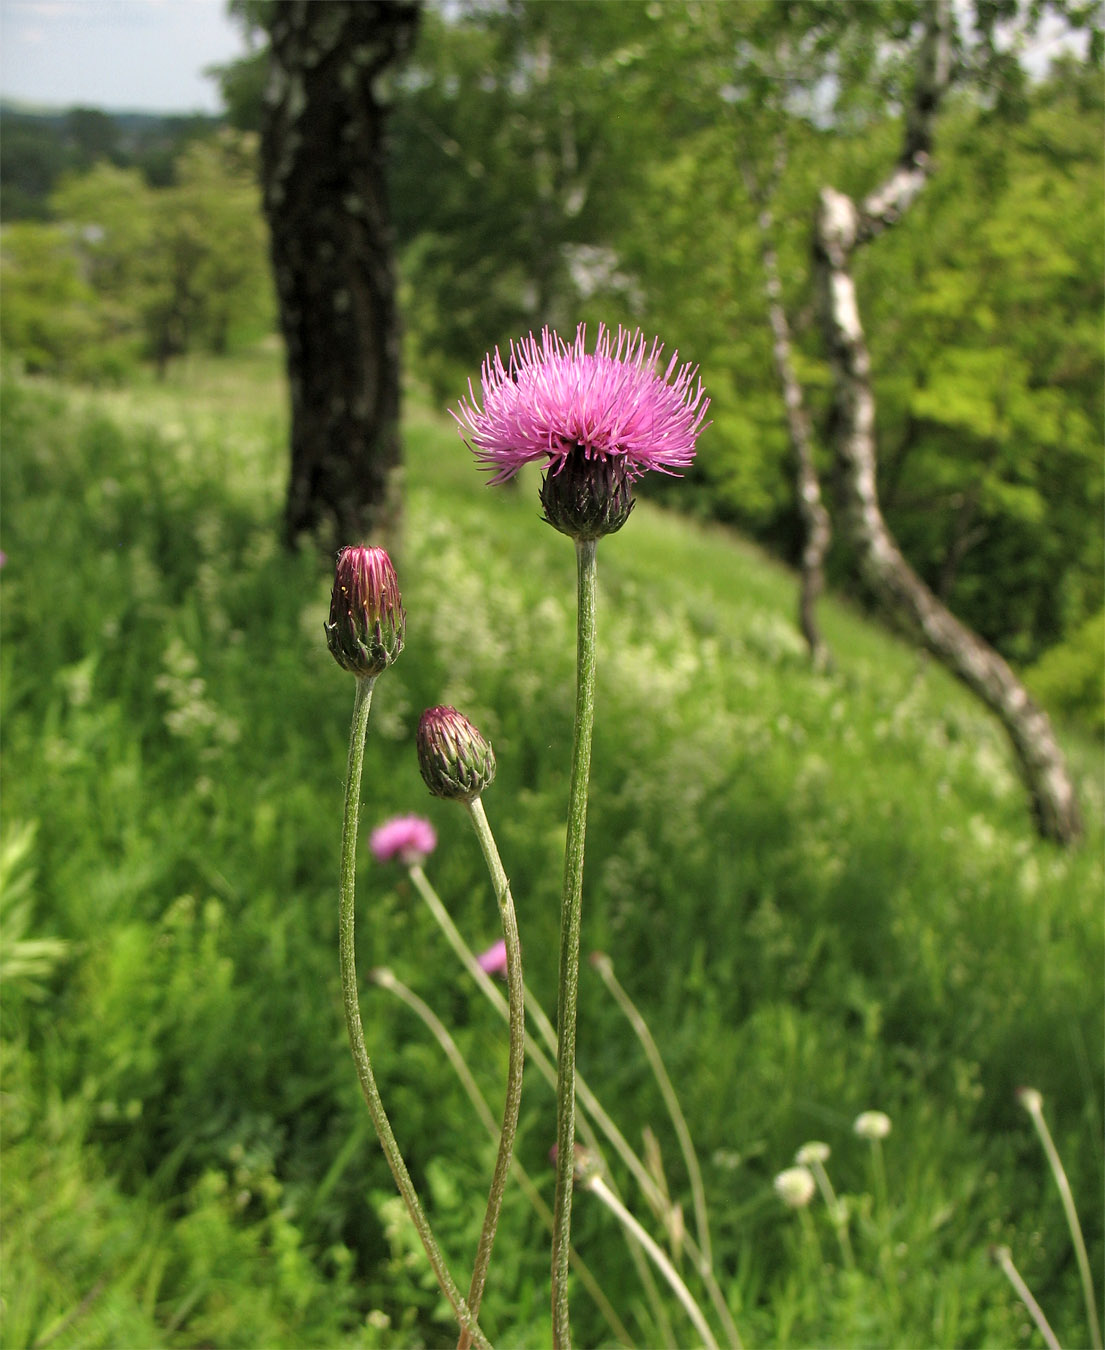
{"points": [[822, 891]]}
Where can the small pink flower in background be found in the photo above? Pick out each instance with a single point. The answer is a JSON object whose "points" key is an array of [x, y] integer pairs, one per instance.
{"points": [[611, 405], [493, 961], [3, 557], [408, 838]]}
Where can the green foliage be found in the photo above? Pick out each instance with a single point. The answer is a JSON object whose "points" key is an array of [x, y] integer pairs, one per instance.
{"points": [[572, 180], [822, 891], [1071, 677], [132, 270], [51, 317], [38, 148]]}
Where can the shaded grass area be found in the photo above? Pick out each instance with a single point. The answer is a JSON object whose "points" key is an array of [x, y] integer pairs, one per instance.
{"points": [[821, 890]]}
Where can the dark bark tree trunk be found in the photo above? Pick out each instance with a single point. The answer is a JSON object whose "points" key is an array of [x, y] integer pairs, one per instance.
{"points": [[322, 164], [841, 226]]}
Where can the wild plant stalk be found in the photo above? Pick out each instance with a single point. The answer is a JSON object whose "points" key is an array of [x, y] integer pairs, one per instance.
{"points": [[347, 954], [547, 1070], [590, 1107], [813, 1156], [571, 910], [704, 1256], [1004, 1258], [1033, 1103], [595, 1184], [517, 1057], [386, 979]]}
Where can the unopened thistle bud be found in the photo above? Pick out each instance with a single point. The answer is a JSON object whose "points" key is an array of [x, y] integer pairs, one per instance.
{"points": [[587, 496], [367, 623], [456, 761]]}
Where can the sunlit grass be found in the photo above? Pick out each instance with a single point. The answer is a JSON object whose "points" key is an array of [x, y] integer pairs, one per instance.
{"points": [[822, 892]]}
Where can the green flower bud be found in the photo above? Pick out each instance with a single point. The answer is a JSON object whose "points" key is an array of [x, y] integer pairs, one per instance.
{"points": [[456, 761], [587, 496], [367, 623]]}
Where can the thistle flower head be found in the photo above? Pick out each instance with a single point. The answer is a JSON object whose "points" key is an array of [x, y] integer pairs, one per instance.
{"points": [[872, 1125], [455, 760], [611, 408], [795, 1187], [408, 838], [367, 623], [493, 961]]}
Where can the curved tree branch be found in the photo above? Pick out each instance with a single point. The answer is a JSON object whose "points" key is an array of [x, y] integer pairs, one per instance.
{"points": [[841, 226]]}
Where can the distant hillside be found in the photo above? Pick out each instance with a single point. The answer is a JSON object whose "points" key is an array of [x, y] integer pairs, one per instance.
{"points": [[38, 145]]}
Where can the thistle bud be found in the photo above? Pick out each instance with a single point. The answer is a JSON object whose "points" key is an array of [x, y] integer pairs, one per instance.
{"points": [[587, 496], [456, 761], [367, 622]]}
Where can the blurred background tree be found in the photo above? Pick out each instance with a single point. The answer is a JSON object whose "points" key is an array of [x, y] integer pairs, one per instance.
{"points": [[551, 163]]}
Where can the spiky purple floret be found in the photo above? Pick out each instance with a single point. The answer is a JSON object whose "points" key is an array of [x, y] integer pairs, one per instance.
{"points": [[552, 398]]}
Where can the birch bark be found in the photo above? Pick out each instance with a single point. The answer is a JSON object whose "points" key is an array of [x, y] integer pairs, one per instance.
{"points": [[841, 227]]}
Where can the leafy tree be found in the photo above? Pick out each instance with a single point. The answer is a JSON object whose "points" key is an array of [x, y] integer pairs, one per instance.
{"points": [[50, 317], [176, 267]]}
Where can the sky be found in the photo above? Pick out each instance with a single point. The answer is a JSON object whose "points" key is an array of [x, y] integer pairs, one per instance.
{"points": [[147, 55]]}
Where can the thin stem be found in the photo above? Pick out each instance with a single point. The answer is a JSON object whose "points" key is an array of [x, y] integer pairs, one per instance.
{"points": [[571, 913], [837, 1214], [1004, 1258], [346, 946], [1035, 1110], [598, 1187], [593, 1107], [548, 1071], [387, 980], [516, 1061], [605, 968]]}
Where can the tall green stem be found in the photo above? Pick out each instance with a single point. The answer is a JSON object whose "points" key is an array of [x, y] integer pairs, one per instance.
{"points": [[1033, 1104], [516, 1061], [571, 911], [347, 949]]}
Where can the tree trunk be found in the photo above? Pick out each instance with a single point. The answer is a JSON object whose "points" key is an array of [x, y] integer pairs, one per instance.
{"points": [[841, 226], [817, 527], [322, 165]]}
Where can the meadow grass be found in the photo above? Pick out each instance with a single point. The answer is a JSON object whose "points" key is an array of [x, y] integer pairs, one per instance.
{"points": [[822, 891]]}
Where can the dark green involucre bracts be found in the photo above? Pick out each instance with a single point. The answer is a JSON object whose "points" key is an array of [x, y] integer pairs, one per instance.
{"points": [[457, 763]]}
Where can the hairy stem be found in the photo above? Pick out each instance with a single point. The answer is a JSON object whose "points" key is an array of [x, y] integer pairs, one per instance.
{"points": [[516, 1061], [346, 941], [571, 911]]}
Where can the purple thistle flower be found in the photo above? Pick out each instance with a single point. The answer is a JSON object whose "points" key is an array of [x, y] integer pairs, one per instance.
{"points": [[611, 405], [493, 961], [408, 838]]}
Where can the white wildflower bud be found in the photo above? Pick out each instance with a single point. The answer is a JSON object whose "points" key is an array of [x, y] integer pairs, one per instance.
{"points": [[813, 1152], [872, 1125], [795, 1187]]}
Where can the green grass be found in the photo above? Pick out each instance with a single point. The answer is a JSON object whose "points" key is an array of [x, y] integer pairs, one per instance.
{"points": [[822, 891]]}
